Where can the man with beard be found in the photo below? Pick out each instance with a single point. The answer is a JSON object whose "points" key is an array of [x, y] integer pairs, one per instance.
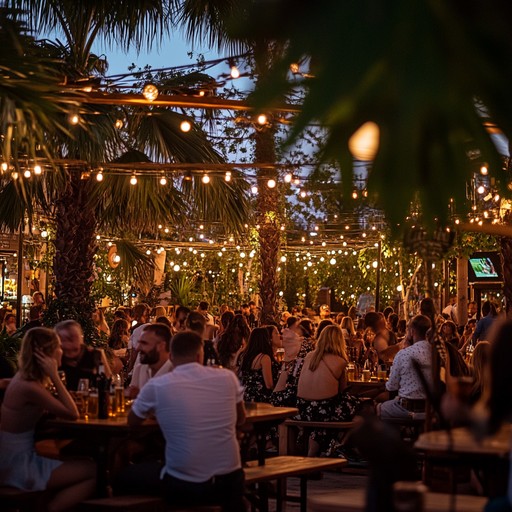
{"points": [[153, 347]]}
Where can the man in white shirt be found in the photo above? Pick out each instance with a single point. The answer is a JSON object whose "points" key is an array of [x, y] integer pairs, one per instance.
{"points": [[198, 409], [404, 377], [153, 345]]}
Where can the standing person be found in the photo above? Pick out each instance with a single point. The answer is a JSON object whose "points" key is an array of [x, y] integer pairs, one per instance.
{"points": [[198, 409], [98, 317], [255, 366], [203, 309], [321, 393], [232, 341], [25, 401], [293, 337], [79, 361], [489, 315], [9, 324], [140, 316], [197, 322], [404, 378], [38, 299]]}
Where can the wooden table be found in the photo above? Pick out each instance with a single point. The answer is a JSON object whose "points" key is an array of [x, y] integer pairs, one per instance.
{"points": [[99, 434], [363, 388], [458, 447], [260, 418]]}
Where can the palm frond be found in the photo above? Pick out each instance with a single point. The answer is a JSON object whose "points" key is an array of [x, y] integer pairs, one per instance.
{"points": [[158, 134], [135, 264]]}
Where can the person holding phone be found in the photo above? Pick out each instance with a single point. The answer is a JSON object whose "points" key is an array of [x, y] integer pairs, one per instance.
{"points": [[26, 399]]}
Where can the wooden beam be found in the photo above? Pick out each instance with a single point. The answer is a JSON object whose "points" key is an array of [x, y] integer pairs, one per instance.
{"points": [[489, 229], [179, 100]]}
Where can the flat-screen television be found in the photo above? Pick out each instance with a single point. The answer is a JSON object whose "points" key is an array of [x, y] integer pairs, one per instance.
{"points": [[485, 267]]}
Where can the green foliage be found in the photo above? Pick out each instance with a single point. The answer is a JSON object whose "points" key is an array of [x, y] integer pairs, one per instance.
{"points": [[10, 347], [183, 289], [467, 243]]}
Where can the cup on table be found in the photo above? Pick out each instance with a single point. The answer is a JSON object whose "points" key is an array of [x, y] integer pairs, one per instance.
{"points": [[82, 393], [93, 403], [280, 355], [367, 375], [351, 371], [382, 372]]}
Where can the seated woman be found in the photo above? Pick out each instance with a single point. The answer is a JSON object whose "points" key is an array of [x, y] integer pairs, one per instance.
{"points": [[26, 399], [232, 341], [321, 392], [98, 317], [255, 366]]}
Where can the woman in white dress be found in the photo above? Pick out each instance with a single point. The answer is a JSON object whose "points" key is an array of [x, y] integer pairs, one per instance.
{"points": [[26, 399]]}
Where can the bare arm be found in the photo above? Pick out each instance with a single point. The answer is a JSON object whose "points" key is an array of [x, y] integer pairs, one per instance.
{"points": [[240, 414], [266, 369], [134, 420]]}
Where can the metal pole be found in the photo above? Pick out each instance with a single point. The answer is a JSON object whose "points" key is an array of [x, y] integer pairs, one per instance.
{"points": [[377, 284], [19, 284]]}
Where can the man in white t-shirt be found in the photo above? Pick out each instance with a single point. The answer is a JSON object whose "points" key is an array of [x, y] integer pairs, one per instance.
{"points": [[153, 345], [198, 409], [404, 376]]}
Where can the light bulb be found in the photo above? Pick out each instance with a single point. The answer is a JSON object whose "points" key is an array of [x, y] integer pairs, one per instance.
{"points": [[150, 92], [148, 252], [27, 174], [205, 179], [176, 268], [375, 264], [254, 190], [234, 72], [303, 194], [332, 261], [99, 176], [44, 233], [119, 124], [133, 180], [227, 176], [364, 143], [185, 126], [4, 166], [283, 259], [74, 119], [288, 178], [37, 170], [163, 181], [480, 189], [116, 258], [483, 170], [271, 183], [262, 119], [294, 68], [15, 175], [242, 255], [354, 195]]}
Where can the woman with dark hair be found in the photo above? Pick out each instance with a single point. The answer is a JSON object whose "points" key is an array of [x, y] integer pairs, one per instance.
{"points": [[448, 332], [322, 325], [232, 340], [393, 323], [26, 399], [119, 335], [255, 366], [308, 328]]}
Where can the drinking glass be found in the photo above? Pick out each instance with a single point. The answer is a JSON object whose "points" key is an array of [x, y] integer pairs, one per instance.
{"points": [[382, 372], [280, 355], [351, 370], [82, 393]]}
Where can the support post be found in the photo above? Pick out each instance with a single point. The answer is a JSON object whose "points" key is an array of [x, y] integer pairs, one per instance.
{"points": [[19, 284], [462, 290]]}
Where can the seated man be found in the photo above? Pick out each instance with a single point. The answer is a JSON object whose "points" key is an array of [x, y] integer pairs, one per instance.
{"points": [[79, 361], [154, 344], [198, 409], [404, 377]]}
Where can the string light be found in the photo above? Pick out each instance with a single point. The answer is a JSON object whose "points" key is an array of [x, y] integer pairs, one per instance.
{"points": [[288, 178], [27, 174], [205, 179], [74, 119], [185, 126], [150, 92], [119, 124], [133, 180], [234, 72], [227, 176], [99, 176], [15, 175], [254, 189], [262, 119], [271, 183], [4, 166], [480, 189], [37, 170], [294, 68], [163, 181], [483, 170], [44, 233]]}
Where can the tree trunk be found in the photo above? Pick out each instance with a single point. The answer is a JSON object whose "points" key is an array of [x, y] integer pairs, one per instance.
{"points": [[269, 209], [75, 247]]}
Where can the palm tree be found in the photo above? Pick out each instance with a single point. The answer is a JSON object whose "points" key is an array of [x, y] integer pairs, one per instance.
{"points": [[82, 206], [208, 20]]}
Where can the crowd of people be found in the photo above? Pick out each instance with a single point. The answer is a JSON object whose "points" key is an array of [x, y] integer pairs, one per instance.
{"points": [[176, 363]]}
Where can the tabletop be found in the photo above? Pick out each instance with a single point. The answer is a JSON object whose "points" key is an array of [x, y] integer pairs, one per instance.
{"points": [[260, 412], [464, 442]]}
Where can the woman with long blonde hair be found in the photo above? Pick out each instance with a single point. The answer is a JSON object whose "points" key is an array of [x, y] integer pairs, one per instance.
{"points": [[321, 393], [26, 399]]}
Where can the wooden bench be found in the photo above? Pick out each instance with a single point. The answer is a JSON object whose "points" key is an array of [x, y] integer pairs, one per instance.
{"points": [[288, 432], [15, 500], [282, 467], [354, 500]]}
